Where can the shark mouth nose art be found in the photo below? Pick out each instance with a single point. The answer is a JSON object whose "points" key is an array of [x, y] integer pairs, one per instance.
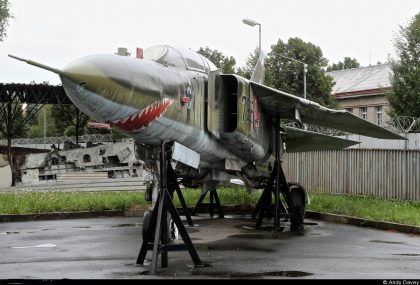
{"points": [[145, 117]]}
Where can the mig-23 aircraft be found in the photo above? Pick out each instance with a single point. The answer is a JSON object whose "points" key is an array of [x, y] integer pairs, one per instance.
{"points": [[214, 125]]}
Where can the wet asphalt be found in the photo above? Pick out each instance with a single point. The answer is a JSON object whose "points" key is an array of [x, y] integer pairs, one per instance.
{"points": [[107, 248]]}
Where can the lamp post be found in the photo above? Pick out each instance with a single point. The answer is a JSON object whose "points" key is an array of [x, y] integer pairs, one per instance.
{"points": [[252, 23], [305, 70]]}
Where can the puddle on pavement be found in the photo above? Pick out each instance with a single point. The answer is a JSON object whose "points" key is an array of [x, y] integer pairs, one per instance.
{"points": [[310, 224], [252, 275], [130, 274], [387, 242], [253, 236], [127, 225], [45, 245], [408, 254], [10, 233], [232, 247], [16, 233]]}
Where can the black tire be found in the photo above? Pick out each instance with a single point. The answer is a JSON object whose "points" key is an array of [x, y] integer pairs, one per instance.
{"points": [[297, 204], [150, 236], [146, 221]]}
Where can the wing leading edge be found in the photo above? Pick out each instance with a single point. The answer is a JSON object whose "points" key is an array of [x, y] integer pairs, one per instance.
{"points": [[277, 103]]}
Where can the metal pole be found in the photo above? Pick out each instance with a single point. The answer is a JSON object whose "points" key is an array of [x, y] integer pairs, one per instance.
{"points": [[277, 193], [259, 30], [305, 69], [45, 127]]}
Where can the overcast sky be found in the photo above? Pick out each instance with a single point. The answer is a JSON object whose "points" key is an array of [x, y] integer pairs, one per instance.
{"points": [[56, 32]]}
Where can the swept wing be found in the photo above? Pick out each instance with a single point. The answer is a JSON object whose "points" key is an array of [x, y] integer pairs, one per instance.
{"points": [[277, 103]]}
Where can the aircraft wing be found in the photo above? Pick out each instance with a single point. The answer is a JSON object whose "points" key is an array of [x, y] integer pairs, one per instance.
{"points": [[277, 103], [298, 140]]}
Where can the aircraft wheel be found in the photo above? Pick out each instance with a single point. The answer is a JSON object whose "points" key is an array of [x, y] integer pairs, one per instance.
{"points": [[146, 221], [149, 236], [297, 208]]}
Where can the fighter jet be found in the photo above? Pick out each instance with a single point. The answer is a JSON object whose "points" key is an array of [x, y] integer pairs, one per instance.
{"points": [[218, 125]]}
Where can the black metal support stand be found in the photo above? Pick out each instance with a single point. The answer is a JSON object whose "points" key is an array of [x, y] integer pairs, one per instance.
{"points": [[276, 185], [214, 200], [157, 231], [173, 186]]}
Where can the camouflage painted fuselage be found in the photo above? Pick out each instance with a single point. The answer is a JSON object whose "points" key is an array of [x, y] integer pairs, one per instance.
{"points": [[156, 100]]}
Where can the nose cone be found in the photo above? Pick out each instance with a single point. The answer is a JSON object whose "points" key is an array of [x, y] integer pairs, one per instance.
{"points": [[98, 85], [98, 72]]}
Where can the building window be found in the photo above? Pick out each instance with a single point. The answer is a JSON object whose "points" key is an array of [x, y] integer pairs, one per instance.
{"points": [[379, 115], [363, 113], [350, 110]]}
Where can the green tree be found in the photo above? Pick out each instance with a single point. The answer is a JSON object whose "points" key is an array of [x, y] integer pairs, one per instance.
{"points": [[287, 75], [5, 15], [247, 70], [404, 99], [346, 64], [36, 130], [13, 120], [225, 63], [69, 120]]}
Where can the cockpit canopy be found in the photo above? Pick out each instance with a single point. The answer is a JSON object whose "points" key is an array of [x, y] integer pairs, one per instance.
{"points": [[179, 58]]}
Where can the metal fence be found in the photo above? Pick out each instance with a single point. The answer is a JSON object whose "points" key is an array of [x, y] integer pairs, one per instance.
{"points": [[393, 174]]}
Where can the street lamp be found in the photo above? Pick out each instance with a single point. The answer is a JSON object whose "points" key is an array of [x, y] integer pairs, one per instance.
{"points": [[305, 70], [252, 23]]}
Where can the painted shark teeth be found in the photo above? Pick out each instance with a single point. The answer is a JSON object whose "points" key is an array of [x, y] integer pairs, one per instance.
{"points": [[145, 117]]}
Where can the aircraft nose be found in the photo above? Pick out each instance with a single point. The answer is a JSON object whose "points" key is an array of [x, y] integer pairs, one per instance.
{"points": [[96, 84], [99, 71]]}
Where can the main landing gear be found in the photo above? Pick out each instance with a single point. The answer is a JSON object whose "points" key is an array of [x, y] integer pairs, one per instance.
{"points": [[294, 195]]}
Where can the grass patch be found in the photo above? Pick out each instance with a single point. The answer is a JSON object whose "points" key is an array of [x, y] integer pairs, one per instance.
{"points": [[363, 207], [46, 202], [376, 209]]}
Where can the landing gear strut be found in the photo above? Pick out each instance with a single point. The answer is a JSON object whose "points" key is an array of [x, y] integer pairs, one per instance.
{"points": [[156, 236], [293, 194]]}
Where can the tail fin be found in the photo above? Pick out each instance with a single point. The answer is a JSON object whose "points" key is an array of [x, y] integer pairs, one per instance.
{"points": [[258, 75]]}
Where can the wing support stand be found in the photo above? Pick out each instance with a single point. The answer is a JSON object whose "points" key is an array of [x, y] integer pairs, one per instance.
{"points": [[210, 187], [276, 185], [156, 235]]}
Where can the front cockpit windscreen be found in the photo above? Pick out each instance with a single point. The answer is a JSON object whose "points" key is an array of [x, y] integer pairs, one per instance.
{"points": [[179, 58]]}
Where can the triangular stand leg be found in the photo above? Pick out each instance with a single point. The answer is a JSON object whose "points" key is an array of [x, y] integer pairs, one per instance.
{"points": [[156, 236], [174, 187], [210, 187]]}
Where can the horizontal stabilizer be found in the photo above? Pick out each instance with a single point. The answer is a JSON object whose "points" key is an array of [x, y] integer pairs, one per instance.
{"points": [[278, 103], [298, 140]]}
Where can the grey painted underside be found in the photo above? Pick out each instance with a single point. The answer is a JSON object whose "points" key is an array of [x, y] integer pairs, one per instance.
{"points": [[298, 140]]}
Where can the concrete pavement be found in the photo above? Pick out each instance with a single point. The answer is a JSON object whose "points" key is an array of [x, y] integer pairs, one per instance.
{"points": [[106, 248]]}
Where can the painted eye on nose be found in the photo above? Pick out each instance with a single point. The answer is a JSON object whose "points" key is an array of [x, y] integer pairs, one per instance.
{"points": [[82, 83]]}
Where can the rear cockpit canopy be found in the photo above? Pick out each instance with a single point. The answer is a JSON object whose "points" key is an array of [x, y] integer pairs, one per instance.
{"points": [[179, 58]]}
